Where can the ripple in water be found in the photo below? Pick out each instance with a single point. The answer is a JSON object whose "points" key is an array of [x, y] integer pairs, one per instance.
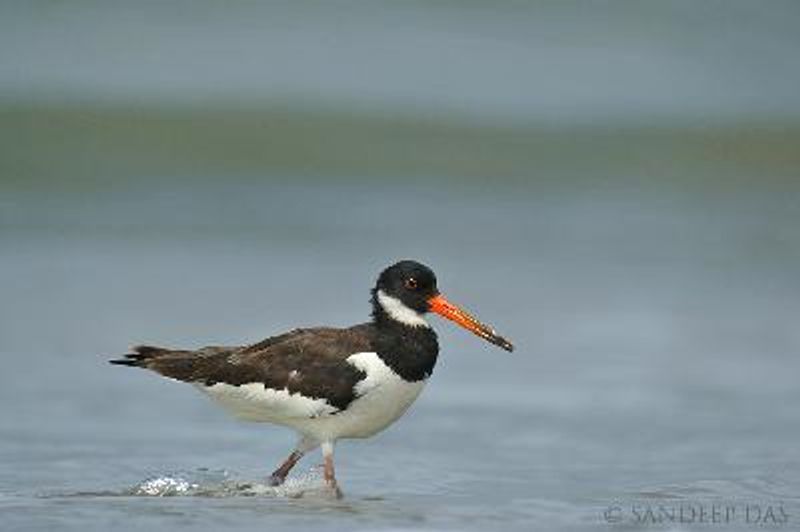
{"points": [[209, 483], [745, 489]]}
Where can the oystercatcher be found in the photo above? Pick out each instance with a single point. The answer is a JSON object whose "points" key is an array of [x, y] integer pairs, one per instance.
{"points": [[326, 383]]}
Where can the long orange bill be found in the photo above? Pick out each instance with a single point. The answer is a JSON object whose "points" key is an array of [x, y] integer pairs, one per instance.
{"points": [[441, 306]]}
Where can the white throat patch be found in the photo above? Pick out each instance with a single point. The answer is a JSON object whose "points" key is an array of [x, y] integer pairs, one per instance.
{"points": [[399, 312]]}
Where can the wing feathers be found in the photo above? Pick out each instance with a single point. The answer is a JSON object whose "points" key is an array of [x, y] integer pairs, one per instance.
{"points": [[312, 362]]}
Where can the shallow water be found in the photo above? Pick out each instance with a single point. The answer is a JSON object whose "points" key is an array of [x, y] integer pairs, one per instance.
{"points": [[613, 187], [655, 364]]}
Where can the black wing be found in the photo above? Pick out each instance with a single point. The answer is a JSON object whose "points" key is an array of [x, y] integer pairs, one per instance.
{"points": [[312, 362]]}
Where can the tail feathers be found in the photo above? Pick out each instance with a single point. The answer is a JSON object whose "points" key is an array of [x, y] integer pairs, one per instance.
{"points": [[141, 355], [183, 365]]}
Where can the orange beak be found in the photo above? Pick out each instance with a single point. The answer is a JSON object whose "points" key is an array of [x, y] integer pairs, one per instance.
{"points": [[441, 306]]}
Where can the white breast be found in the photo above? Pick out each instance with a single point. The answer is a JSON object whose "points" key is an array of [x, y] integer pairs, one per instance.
{"points": [[382, 397]]}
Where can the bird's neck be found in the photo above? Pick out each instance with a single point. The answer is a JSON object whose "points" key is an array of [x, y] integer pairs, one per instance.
{"points": [[409, 350]]}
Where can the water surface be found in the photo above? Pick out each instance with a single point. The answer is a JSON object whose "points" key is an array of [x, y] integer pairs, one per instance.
{"points": [[613, 187]]}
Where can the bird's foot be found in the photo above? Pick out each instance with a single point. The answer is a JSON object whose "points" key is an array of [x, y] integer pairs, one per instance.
{"points": [[334, 490], [275, 480], [331, 486]]}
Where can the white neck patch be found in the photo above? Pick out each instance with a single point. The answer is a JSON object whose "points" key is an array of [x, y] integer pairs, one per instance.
{"points": [[399, 312]]}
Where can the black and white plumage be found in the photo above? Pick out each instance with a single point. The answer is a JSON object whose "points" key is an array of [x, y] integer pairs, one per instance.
{"points": [[327, 384]]}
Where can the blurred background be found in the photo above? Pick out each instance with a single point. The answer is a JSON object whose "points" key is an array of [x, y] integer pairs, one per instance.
{"points": [[613, 185]]}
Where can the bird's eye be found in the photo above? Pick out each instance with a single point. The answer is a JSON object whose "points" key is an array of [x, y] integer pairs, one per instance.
{"points": [[411, 283]]}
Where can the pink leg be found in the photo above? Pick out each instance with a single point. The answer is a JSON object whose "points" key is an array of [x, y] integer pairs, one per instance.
{"points": [[279, 475], [330, 476]]}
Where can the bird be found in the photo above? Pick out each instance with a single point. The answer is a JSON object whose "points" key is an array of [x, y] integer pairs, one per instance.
{"points": [[327, 383]]}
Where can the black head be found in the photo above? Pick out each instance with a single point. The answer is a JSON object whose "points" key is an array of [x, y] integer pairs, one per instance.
{"points": [[410, 282], [407, 290]]}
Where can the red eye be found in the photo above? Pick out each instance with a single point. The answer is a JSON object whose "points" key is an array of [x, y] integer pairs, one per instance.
{"points": [[411, 283]]}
